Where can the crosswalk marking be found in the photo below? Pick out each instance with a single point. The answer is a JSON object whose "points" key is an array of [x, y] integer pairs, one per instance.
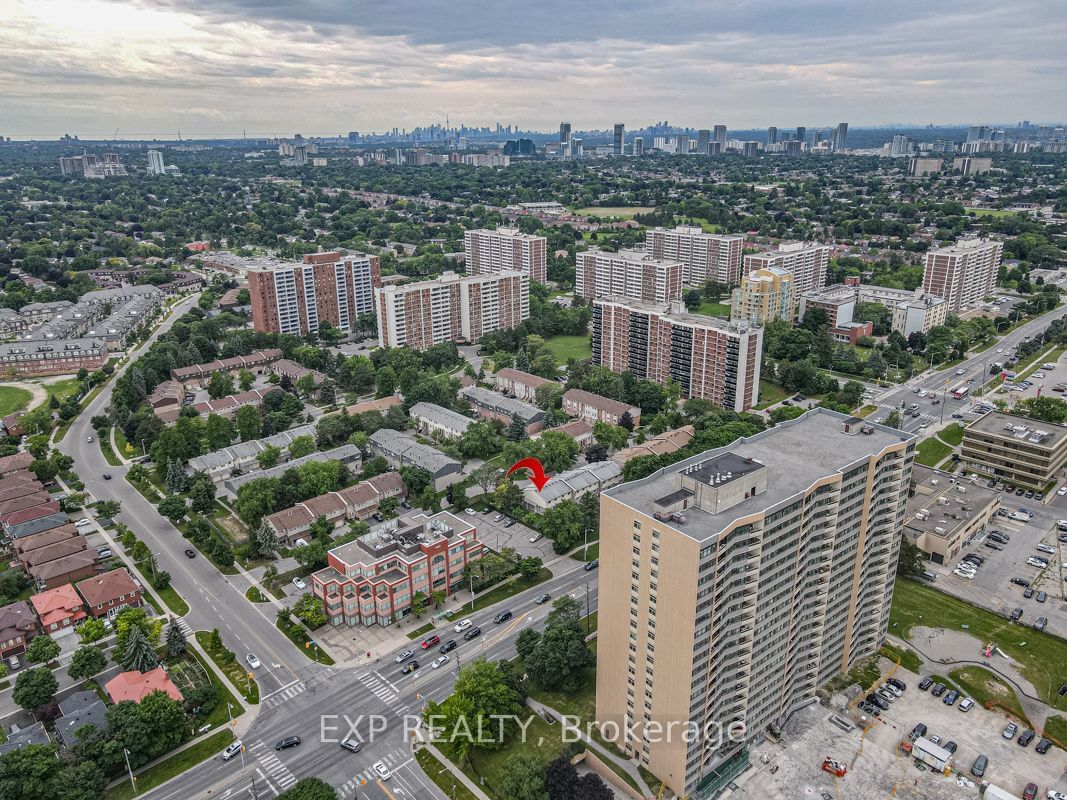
{"points": [[395, 760], [288, 693], [275, 770]]}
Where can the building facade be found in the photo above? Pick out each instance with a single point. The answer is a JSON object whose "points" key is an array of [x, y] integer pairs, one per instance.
{"points": [[1016, 450], [371, 580], [805, 261], [736, 582], [451, 308], [704, 256], [627, 273], [945, 511], [61, 357], [764, 294], [519, 384], [490, 252], [964, 273], [596, 408], [709, 358], [297, 298]]}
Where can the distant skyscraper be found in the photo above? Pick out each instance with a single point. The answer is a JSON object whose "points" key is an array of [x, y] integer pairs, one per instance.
{"points": [[802, 133], [682, 144], [720, 137], [963, 273], [751, 149], [840, 136], [703, 137], [639, 146], [619, 139], [576, 148], [977, 133], [772, 135], [564, 133], [155, 163]]}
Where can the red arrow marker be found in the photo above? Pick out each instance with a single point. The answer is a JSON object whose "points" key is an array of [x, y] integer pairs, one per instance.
{"points": [[537, 472]]}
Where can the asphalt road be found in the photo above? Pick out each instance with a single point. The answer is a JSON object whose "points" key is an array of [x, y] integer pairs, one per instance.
{"points": [[943, 382], [326, 706]]}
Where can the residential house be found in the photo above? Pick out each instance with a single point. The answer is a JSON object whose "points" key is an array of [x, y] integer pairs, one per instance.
{"points": [[401, 449], [595, 408], [495, 406], [571, 485], [18, 626], [347, 454], [243, 456], [29, 543], [294, 371], [666, 442], [169, 394], [577, 429], [108, 594], [52, 552], [39, 525], [136, 686], [16, 462], [381, 405], [67, 569], [199, 375], [519, 384], [436, 420], [78, 710], [24, 737], [60, 610]]}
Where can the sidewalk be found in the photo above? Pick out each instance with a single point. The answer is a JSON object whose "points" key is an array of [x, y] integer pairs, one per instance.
{"points": [[456, 771]]}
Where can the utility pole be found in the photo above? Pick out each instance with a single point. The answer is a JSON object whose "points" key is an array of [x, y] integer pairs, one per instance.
{"points": [[133, 780]]}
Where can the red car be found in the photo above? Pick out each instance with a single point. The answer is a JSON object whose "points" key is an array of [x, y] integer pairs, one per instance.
{"points": [[834, 767], [431, 642], [1030, 792]]}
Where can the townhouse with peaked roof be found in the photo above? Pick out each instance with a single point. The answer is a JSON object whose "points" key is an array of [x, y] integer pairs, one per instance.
{"points": [[60, 610], [402, 450], [107, 594], [596, 408], [197, 376], [519, 384], [17, 627], [436, 420], [241, 457], [571, 485]]}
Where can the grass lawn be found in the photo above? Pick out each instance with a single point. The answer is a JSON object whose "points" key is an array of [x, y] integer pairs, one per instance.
{"points": [[953, 434], [931, 452], [1056, 730], [440, 775], [1032, 363], [61, 390], [866, 411], [507, 590], [712, 309], [583, 554], [770, 393], [192, 672], [175, 765], [13, 399], [121, 444], [254, 595], [710, 227], [626, 212], [581, 703], [1039, 655], [235, 670], [865, 674], [298, 636], [173, 600], [421, 631], [986, 688], [905, 657], [567, 347], [990, 212], [109, 454]]}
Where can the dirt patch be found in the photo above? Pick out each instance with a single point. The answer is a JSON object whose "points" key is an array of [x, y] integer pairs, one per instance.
{"points": [[234, 528]]}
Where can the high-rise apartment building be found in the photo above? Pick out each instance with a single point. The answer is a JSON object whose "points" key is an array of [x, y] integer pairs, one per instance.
{"points": [[564, 133], [964, 273], [839, 137], [772, 135], [451, 308], [805, 261], [705, 256], [155, 163], [764, 294], [681, 144], [639, 146], [736, 582], [710, 358], [488, 252], [292, 297], [703, 137], [802, 133], [628, 273], [720, 137], [619, 139]]}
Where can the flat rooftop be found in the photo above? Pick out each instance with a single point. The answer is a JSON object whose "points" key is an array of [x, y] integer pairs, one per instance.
{"points": [[943, 503], [796, 454], [1020, 429]]}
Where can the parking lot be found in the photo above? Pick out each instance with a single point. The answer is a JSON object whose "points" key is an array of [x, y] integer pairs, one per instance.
{"points": [[518, 536], [876, 766], [992, 587]]}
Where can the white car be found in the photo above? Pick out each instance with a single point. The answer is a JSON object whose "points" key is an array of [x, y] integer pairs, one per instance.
{"points": [[298, 582], [471, 511], [253, 661], [462, 625], [232, 749], [1062, 491], [404, 656], [922, 393], [88, 438], [1000, 349], [967, 576], [966, 704], [82, 523], [1052, 794], [382, 770], [1044, 548], [961, 371], [1034, 561], [1038, 375], [439, 662]]}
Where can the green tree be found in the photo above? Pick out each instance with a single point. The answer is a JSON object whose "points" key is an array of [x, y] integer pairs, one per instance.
{"points": [[138, 653], [92, 630], [523, 776], [245, 379], [530, 567], [912, 560], [478, 441], [301, 446], [415, 479], [516, 429], [485, 477], [309, 609], [249, 423], [34, 772], [309, 789], [263, 541], [202, 494], [268, 457], [176, 643], [563, 525], [527, 642], [256, 499], [177, 479], [86, 662], [418, 604], [614, 437], [172, 507], [130, 618], [35, 688], [220, 385], [892, 420], [108, 508], [42, 649], [219, 432]]}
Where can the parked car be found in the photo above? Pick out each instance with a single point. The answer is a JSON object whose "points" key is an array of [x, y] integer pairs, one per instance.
{"points": [[879, 701], [536, 538], [938, 690], [298, 582], [1044, 548], [993, 545], [1030, 791], [966, 704], [1041, 597], [590, 566], [898, 683], [951, 698], [287, 742], [471, 511], [1025, 738], [869, 708], [1028, 592], [978, 768], [104, 552], [1043, 746], [918, 731], [925, 684], [1010, 730], [1020, 581], [1016, 614], [1040, 623]]}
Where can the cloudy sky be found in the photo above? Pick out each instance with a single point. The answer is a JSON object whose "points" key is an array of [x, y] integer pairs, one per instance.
{"points": [[153, 67]]}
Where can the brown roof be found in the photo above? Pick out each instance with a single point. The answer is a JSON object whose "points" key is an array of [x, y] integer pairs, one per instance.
{"points": [[198, 370], [37, 540], [108, 586], [42, 555], [171, 391], [16, 619], [525, 378], [668, 442], [63, 566], [25, 501], [614, 407], [17, 461], [20, 489], [27, 514], [576, 429]]}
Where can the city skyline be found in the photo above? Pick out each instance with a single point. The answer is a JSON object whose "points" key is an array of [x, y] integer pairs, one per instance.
{"points": [[269, 68]]}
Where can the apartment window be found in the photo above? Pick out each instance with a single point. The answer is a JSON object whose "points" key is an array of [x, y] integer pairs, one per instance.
{"points": [[637, 525]]}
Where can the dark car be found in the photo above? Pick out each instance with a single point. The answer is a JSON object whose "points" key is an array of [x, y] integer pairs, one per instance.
{"points": [[430, 641], [950, 746], [1043, 746], [918, 730], [879, 701], [979, 766], [1016, 614], [352, 745], [938, 690], [1040, 623], [509, 523], [1041, 597], [473, 633], [1025, 738], [503, 616], [543, 598], [1029, 592], [951, 698], [993, 545], [1020, 582], [1030, 792], [898, 683], [107, 476], [870, 708], [925, 684], [287, 742], [449, 646], [190, 552], [592, 565], [411, 666]]}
